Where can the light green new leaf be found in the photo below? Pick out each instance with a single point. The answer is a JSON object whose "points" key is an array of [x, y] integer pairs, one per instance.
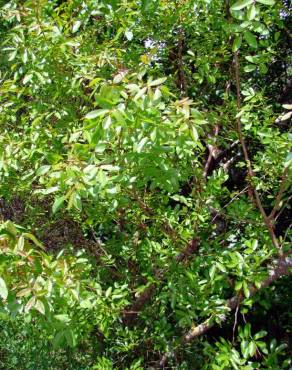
{"points": [[287, 106], [27, 78], [140, 93], [266, 2], [43, 170], [76, 26], [3, 289], [286, 116], [241, 4], [246, 289], [194, 133], [250, 68], [157, 82], [39, 306], [251, 13], [96, 113], [129, 35], [141, 144]]}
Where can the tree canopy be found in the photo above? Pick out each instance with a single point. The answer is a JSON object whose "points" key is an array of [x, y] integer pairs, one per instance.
{"points": [[145, 184]]}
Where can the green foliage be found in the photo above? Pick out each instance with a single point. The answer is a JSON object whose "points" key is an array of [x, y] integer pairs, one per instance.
{"points": [[124, 127]]}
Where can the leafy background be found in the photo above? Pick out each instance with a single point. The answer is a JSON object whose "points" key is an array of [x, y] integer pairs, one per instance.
{"points": [[145, 181]]}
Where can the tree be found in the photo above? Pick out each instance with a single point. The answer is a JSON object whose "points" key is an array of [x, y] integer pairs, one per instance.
{"points": [[144, 162]]}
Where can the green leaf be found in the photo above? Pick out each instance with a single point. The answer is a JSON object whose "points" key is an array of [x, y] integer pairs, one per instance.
{"points": [[266, 2], [241, 4], [43, 170], [247, 330], [30, 304], [27, 78], [76, 26], [141, 144], [77, 201], [252, 348], [140, 93], [58, 204], [236, 43], [96, 113], [250, 39], [129, 35], [63, 318], [252, 12], [33, 239], [245, 289], [24, 57], [39, 306], [3, 289], [212, 272], [58, 339], [287, 106], [145, 5], [157, 82], [238, 285], [194, 133], [250, 68], [288, 160], [70, 337], [260, 334], [263, 68], [286, 116], [24, 292], [20, 243]]}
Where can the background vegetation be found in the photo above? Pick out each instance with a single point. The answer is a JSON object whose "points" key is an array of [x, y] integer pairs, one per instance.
{"points": [[145, 184]]}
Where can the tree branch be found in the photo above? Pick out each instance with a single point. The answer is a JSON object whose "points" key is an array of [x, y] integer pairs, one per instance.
{"points": [[212, 150], [250, 173], [280, 194], [130, 314], [282, 267]]}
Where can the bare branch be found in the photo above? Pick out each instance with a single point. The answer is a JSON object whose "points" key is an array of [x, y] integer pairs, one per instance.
{"points": [[212, 149]]}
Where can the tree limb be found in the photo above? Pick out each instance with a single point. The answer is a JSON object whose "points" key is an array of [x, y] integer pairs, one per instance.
{"points": [[282, 267], [130, 314], [250, 172]]}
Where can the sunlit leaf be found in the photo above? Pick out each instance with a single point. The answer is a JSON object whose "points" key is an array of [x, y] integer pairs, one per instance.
{"points": [[241, 4]]}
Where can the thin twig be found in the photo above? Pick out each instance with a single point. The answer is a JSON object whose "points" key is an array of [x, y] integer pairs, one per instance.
{"points": [[235, 323], [283, 208], [211, 155], [280, 193], [182, 80]]}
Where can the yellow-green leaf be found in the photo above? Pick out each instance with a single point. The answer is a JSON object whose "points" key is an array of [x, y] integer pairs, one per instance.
{"points": [[241, 4]]}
